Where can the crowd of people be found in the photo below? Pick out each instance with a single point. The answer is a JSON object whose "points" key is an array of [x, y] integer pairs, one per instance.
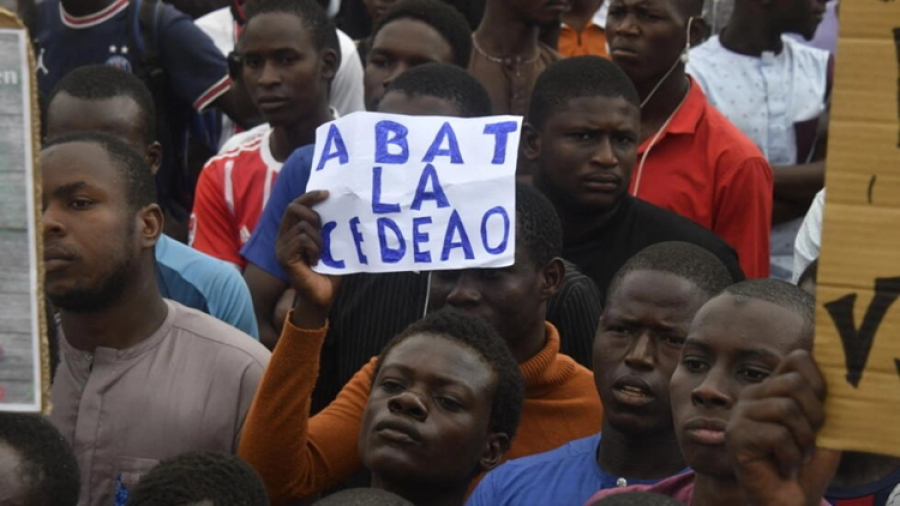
{"points": [[650, 345]]}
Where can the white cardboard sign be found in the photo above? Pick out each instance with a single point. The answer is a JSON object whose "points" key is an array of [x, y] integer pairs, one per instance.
{"points": [[416, 193]]}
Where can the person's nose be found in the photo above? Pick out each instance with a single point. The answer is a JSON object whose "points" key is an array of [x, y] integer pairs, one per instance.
{"points": [[604, 155], [464, 292], [410, 404], [398, 69], [268, 75], [713, 390], [51, 223], [627, 26], [642, 355]]}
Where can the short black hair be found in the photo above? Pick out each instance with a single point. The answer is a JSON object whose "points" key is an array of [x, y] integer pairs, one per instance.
{"points": [[810, 273], [103, 82], [140, 186], [537, 225], [577, 77], [682, 259], [446, 20], [447, 82], [636, 499], [314, 18], [363, 497], [223, 479], [48, 463], [784, 294], [478, 335]]}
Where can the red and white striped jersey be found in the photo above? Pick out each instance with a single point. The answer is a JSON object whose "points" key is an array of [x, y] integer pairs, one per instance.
{"points": [[231, 193]]}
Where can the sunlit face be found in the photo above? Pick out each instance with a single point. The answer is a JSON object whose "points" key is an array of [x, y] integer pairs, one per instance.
{"points": [[427, 419], [733, 343]]}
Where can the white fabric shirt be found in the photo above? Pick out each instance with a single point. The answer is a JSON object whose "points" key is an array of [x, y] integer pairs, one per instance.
{"points": [[765, 97], [346, 88], [809, 239]]}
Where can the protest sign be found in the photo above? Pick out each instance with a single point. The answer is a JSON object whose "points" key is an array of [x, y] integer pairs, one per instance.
{"points": [[24, 374], [857, 314], [416, 193]]}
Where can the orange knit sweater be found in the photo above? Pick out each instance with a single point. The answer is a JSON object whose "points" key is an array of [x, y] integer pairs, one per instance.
{"points": [[298, 456]]}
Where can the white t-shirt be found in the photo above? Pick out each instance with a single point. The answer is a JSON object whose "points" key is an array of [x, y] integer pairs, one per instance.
{"points": [[346, 88], [809, 239]]}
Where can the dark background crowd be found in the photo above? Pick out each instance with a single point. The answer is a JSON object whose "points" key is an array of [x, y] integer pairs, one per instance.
{"points": [[649, 346]]}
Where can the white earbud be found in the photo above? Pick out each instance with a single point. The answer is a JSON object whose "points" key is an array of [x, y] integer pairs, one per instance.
{"points": [[685, 56]]}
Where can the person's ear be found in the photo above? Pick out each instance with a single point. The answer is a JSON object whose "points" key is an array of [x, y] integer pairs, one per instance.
{"points": [[699, 31], [150, 225], [552, 276], [154, 157], [495, 448], [330, 62], [531, 142]]}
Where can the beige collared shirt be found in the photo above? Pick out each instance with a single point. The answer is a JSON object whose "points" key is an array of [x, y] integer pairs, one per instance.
{"points": [[186, 388]]}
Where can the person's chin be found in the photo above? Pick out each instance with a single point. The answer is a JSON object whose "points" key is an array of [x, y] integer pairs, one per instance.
{"points": [[710, 461], [391, 460], [628, 420]]}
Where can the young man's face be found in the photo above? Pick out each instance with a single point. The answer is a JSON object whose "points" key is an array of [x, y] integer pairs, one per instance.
{"points": [[732, 343], [508, 298], [286, 77], [398, 102], [646, 37], [14, 483], [427, 420], [90, 238], [399, 46], [585, 152], [798, 16], [119, 116], [638, 343]]}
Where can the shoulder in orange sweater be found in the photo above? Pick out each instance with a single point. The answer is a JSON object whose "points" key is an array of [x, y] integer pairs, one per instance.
{"points": [[298, 456]]}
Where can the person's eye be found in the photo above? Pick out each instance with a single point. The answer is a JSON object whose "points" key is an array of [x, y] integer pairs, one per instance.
{"points": [[753, 375], [287, 59], [391, 386], [673, 339], [489, 274], [81, 203], [617, 330], [380, 62], [252, 62], [624, 140], [616, 12], [582, 136], [693, 365], [449, 403]]}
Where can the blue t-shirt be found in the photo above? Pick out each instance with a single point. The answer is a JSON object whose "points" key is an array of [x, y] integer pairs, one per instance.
{"points": [[291, 183], [884, 492], [566, 476], [204, 283]]}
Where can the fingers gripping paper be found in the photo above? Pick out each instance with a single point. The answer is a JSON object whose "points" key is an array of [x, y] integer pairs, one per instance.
{"points": [[858, 316], [416, 193]]}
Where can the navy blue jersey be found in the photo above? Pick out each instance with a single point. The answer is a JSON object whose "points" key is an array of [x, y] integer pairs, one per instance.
{"points": [[196, 71], [196, 74]]}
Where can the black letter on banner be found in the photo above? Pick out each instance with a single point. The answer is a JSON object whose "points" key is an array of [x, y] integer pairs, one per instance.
{"points": [[858, 342]]}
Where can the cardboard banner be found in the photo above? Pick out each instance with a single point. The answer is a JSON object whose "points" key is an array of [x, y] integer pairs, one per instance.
{"points": [[857, 315], [24, 371], [416, 193]]}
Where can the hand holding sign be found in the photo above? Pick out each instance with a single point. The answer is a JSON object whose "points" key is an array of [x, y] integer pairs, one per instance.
{"points": [[772, 436], [298, 247]]}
